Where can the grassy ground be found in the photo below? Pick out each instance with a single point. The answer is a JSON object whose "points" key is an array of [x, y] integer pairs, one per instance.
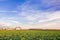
{"points": [[29, 35]]}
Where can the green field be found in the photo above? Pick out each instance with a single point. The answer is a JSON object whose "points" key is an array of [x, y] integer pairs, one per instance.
{"points": [[29, 35]]}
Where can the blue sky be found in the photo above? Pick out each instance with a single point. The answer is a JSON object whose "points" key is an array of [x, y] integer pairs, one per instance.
{"points": [[30, 13]]}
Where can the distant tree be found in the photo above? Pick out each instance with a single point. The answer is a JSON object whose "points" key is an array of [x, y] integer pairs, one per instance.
{"points": [[17, 28]]}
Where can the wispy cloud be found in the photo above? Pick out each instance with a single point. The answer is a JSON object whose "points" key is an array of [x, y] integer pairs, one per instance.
{"points": [[51, 5], [10, 23], [31, 13], [8, 11], [36, 13]]}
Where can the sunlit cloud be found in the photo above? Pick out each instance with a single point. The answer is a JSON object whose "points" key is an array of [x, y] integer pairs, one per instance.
{"points": [[36, 17], [32, 14]]}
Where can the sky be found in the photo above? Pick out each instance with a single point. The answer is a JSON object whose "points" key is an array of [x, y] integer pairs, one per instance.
{"points": [[43, 14]]}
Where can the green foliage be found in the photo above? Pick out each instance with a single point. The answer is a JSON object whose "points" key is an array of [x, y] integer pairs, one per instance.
{"points": [[29, 35]]}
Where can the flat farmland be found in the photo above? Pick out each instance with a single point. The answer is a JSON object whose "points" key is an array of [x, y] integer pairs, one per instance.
{"points": [[29, 35]]}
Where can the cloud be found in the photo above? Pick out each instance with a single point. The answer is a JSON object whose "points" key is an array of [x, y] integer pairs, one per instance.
{"points": [[51, 5], [35, 16], [34, 13], [8, 11], [43, 5], [54, 15], [38, 17], [53, 24], [10, 23]]}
